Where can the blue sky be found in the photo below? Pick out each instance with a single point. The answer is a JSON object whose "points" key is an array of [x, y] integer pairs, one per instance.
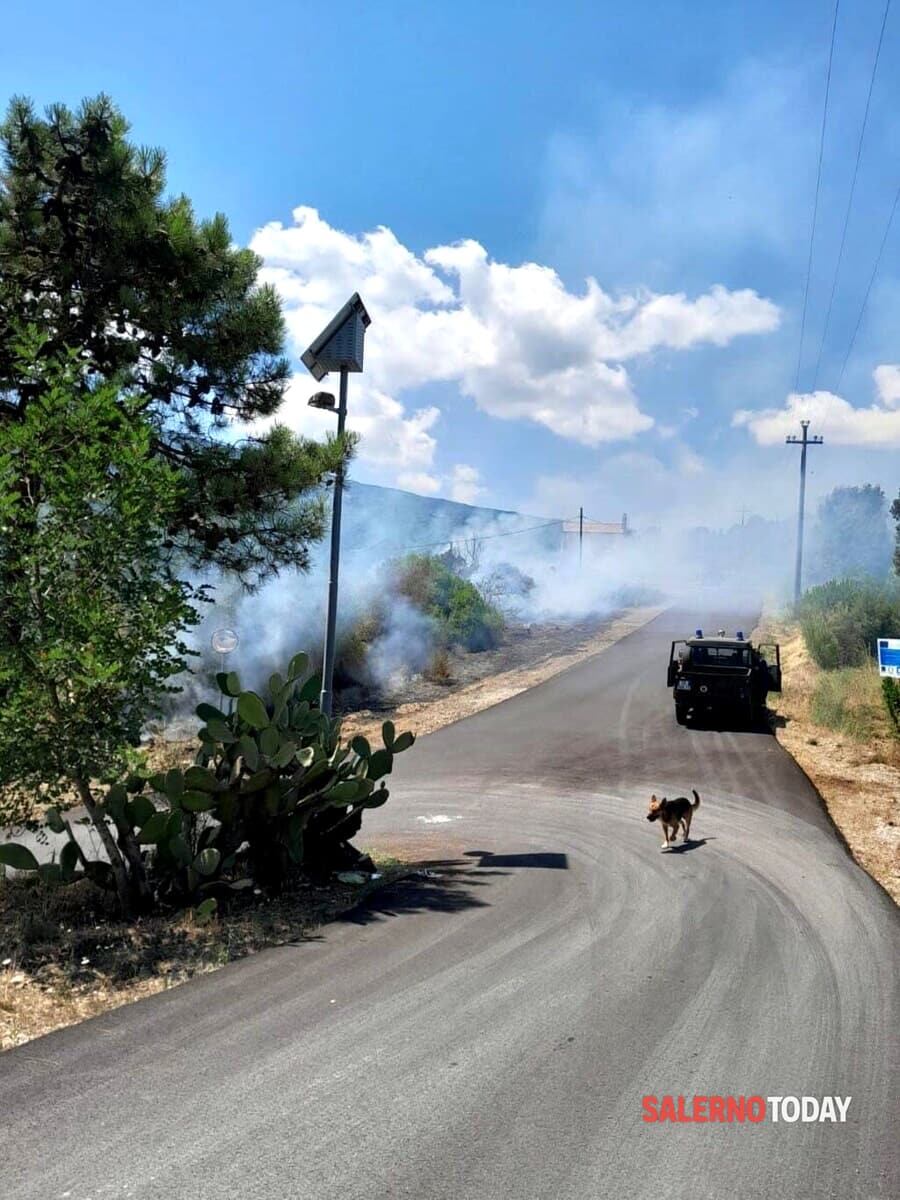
{"points": [[665, 150]]}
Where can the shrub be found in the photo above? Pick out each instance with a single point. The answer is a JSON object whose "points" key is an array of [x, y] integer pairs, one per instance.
{"points": [[841, 620], [438, 670], [890, 691], [461, 614], [354, 645], [504, 587]]}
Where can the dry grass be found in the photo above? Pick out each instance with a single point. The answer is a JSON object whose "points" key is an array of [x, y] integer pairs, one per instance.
{"points": [[438, 670], [64, 956], [835, 725], [849, 701]]}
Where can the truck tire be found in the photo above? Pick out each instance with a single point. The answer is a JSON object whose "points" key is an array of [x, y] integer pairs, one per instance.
{"points": [[681, 712]]}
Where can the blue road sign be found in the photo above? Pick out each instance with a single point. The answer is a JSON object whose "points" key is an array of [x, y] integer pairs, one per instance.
{"points": [[889, 657]]}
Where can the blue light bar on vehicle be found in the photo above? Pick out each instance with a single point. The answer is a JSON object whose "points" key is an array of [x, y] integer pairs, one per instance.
{"points": [[740, 635], [698, 633]]}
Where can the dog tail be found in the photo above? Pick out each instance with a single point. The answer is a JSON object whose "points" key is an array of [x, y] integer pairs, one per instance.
{"points": [[696, 803]]}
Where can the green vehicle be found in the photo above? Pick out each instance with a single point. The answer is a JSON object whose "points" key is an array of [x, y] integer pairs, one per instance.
{"points": [[721, 674]]}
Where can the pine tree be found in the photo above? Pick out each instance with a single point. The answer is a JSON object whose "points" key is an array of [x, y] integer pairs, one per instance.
{"points": [[160, 305]]}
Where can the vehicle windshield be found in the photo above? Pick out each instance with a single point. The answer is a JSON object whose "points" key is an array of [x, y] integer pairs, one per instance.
{"points": [[721, 656]]}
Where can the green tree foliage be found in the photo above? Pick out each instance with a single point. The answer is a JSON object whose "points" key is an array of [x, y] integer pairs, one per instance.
{"points": [[164, 307], [841, 620], [461, 614], [895, 514], [850, 536], [91, 618]]}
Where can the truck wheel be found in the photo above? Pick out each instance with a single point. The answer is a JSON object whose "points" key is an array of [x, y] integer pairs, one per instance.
{"points": [[681, 712]]}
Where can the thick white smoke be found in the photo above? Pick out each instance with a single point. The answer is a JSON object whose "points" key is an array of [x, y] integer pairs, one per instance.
{"points": [[524, 564]]}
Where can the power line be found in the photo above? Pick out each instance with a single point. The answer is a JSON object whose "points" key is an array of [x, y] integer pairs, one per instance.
{"points": [[862, 133], [460, 536], [887, 231], [486, 537], [812, 235]]}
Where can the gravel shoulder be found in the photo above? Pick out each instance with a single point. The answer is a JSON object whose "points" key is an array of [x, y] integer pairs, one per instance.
{"points": [[859, 782]]}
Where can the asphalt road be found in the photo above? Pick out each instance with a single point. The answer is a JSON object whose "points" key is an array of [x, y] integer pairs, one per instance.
{"points": [[491, 1032]]}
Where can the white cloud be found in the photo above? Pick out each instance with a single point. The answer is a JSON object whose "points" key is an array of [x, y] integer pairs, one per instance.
{"points": [[840, 422], [394, 439], [887, 384], [513, 338], [688, 462], [465, 484], [419, 482]]}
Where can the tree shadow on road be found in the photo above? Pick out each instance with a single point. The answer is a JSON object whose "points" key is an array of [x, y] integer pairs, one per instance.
{"points": [[548, 860], [447, 885], [444, 886]]}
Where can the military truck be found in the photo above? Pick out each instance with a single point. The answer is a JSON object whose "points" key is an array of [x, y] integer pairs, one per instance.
{"points": [[722, 674]]}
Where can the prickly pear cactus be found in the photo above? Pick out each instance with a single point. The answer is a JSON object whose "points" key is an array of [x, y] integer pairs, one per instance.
{"points": [[273, 775]]}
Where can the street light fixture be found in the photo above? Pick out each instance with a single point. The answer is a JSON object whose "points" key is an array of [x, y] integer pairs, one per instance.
{"points": [[323, 400], [339, 347]]}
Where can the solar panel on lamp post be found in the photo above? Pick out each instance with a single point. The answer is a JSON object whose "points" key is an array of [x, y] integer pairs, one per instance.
{"points": [[339, 347]]}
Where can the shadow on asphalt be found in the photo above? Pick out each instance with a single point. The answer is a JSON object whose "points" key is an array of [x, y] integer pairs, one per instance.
{"points": [[693, 844], [547, 860], [710, 722], [447, 887]]}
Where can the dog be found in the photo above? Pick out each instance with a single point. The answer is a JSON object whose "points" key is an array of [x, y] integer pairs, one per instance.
{"points": [[672, 813]]}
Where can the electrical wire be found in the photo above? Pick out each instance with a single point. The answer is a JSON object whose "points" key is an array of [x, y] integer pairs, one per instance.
{"points": [[812, 235], [862, 134], [862, 310], [395, 549]]}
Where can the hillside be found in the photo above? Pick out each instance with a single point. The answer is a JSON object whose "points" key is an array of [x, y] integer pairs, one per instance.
{"points": [[384, 522]]}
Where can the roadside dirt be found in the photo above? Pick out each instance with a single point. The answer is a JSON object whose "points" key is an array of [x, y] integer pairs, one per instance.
{"points": [[65, 956], [859, 781]]}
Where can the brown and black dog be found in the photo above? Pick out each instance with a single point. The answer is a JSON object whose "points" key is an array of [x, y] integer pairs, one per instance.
{"points": [[672, 813]]}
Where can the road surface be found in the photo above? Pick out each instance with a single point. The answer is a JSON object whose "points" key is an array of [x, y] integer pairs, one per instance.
{"points": [[490, 1032]]}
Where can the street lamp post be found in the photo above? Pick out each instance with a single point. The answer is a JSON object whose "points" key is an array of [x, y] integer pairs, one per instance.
{"points": [[334, 563], [339, 347]]}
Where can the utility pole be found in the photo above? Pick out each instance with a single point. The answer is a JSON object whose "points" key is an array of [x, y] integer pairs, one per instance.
{"points": [[580, 536], [802, 442]]}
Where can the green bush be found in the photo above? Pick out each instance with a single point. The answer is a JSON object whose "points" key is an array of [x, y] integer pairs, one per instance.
{"points": [[890, 691], [841, 620], [461, 614]]}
